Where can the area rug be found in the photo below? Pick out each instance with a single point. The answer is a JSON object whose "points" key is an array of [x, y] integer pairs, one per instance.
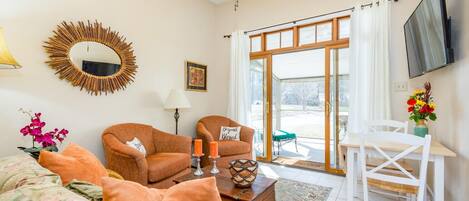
{"points": [[288, 190]]}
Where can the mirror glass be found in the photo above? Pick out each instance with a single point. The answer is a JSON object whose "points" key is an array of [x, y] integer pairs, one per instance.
{"points": [[95, 58]]}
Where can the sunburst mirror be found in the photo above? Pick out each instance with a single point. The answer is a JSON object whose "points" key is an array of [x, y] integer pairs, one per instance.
{"points": [[91, 57]]}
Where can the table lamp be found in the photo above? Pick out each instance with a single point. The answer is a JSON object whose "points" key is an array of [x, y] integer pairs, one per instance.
{"points": [[5, 56], [177, 100]]}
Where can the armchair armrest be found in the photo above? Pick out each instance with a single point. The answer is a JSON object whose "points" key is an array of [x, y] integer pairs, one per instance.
{"points": [[246, 134], [203, 133], [170, 143], [125, 160]]}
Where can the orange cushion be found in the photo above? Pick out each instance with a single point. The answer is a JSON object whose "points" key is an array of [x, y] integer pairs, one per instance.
{"points": [[74, 162], [164, 165], [194, 190], [232, 147]]}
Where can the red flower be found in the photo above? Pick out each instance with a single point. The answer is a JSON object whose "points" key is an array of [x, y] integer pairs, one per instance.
{"points": [[411, 101], [426, 109], [411, 108]]}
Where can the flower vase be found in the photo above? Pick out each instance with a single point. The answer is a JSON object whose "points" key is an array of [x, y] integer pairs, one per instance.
{"points": [[421, 129]]}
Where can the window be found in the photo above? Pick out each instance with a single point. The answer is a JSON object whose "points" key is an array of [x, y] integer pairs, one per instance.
{"points": [[344, 28], [307, 35], [286, 39], [324, 32], [314, 34], [273, 41], [256, 44]]}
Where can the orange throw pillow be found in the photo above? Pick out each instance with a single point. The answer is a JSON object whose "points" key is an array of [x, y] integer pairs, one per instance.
{"points": [[74, 162], [194, 190]]}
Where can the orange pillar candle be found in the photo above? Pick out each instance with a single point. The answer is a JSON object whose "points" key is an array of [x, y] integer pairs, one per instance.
{"points": [[213, 149], [198, 147]]}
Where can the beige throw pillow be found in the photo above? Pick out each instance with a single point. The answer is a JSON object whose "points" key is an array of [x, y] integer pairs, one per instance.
{"points": [[230, 133]]}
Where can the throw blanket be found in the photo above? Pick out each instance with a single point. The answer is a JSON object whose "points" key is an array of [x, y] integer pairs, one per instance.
{"points": [[87, 190]]}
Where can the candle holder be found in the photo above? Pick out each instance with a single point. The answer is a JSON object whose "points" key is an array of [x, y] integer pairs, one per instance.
{"points": [[198, 171], [214, 169]]}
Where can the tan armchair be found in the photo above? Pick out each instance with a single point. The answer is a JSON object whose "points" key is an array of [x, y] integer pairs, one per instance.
{"points": [[168, 156], [208, 129]]}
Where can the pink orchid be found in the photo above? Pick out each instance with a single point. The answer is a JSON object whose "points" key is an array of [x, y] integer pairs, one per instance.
{"points": [[63, 132], [25, 131], [34, 129]]}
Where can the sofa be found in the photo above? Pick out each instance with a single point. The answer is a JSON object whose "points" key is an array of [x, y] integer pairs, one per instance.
{"points": [[22, 178], [168, 156], [208, 129]]}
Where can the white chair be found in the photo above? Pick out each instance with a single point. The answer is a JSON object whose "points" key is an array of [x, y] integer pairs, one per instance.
{"points": [[388, 125], [404, 182]]}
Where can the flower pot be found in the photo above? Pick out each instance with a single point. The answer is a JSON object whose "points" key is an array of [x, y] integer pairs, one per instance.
{"points": [[36, 151], [421, 128]]}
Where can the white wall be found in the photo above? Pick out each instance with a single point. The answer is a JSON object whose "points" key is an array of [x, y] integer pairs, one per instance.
{"points": [[164, 34], [450, 84]]}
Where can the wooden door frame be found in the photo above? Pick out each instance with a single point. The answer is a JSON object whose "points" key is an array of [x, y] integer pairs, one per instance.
{"points": [[267, 73], [267, 54], [327, 109]]}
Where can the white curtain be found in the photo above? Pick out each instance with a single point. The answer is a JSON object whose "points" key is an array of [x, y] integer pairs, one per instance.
{"points": [[238, 97], [369, 65]]}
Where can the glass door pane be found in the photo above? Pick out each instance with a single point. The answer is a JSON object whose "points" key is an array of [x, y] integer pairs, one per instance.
{"points": [[298, 99], [339, 100], [258, 104]]}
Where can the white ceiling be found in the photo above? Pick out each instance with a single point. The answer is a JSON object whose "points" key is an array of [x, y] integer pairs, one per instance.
{"points": [[218, 1]]}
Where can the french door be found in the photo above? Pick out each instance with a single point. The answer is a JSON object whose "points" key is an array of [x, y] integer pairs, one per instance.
{"points": [[260, 97], [330, 102]]}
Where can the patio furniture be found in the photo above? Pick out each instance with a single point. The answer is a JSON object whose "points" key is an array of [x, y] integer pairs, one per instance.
{"points": [[281, 136]]}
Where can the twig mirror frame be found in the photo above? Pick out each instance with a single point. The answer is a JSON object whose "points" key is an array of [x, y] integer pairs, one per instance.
{"points": [[68, 34]]}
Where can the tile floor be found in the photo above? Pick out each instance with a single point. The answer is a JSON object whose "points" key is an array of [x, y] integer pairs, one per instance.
{"points": [[337, 183]]}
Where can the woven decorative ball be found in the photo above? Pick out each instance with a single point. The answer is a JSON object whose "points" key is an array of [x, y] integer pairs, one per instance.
{"points": [[243, 172]]}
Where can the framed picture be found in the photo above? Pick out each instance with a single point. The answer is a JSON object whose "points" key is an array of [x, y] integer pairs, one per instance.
{"points": [[196, 76]]}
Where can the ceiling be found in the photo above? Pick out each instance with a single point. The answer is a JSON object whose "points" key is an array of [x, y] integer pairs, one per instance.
{"points": [[218, 1]]}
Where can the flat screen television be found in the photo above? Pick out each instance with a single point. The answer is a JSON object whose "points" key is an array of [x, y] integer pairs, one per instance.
{"points": [[428, 38]]}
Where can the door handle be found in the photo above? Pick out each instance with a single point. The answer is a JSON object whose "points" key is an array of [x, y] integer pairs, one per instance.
{"points": [[328, 107]]}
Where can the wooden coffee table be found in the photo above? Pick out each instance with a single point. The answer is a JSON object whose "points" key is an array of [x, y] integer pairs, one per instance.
{"points": [[263, 189]]}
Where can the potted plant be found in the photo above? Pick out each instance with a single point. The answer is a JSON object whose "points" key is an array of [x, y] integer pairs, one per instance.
{"points": [[41, 140], [421, 108]]}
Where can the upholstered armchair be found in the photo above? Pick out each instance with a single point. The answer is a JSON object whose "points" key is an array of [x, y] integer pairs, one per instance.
{"points": [[208, 129], [168, 156]]}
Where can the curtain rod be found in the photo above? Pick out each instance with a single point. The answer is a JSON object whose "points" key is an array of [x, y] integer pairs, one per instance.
{"points": [[308, 18]]}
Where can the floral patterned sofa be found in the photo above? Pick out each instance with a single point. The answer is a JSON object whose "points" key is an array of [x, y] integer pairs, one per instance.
{"points": [[23, 179]]}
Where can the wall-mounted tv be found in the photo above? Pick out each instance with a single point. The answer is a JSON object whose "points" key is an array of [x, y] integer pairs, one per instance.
{"points": [[428, 38]]}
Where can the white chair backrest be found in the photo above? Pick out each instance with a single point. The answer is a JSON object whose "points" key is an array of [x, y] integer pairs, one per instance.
{"points": [[370, 143], [388, 125]]}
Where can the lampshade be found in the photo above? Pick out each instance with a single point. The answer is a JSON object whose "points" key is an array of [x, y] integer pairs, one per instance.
{"points": [[177, 99], [5, 56]]}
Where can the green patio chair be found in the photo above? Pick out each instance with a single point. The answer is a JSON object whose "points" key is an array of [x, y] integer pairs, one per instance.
{"points": [[281, 136]]}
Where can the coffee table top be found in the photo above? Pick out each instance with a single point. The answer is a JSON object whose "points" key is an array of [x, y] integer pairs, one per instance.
{"points": [[228, 189]]}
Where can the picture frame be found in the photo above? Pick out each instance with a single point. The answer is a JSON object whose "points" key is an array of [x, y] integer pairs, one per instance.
{"points": [[195, 76]]}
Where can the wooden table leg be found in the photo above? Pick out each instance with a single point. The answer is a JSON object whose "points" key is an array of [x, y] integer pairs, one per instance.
{"points": [[439, 178], [350, 174]]}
